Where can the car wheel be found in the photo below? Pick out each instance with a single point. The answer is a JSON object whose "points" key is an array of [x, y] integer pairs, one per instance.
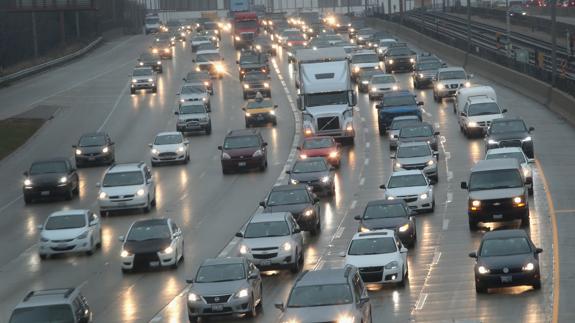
{"points": [[254, 309], [537, 284], [99, 244], [432, 207], [472, 225], [381, 131], [147, 207], [153, 164], [454, 111], [132, 91], [525, 220], [296, 264], [403, 278], [209, 130], [225, 171], [275, 123], [27, 199], [245, 96], [480, 288], [435, 97], [43, 256], [126, 271], [193, 319], [76, 190], [92, 247], [70, 194], [153, 202], [317, 229]]}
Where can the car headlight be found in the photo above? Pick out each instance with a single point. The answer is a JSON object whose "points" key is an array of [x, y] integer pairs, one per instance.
{"points": [[412, 60], [421, 75], [44, 239], [325, 179], [345, 319], [308, 212], [356, 69], [78, 152], [528, 138], [140, 192], [286, 246], [528, 267], [290, 54], [168, 250], [141, 64], [244, 249], [248, 114], [258, 153], [150, 80], [102, 195], [266, 85], [482, 270], [390, 198], [166, 50], [333, 154], [246, 86], [181, 149], [440, 86], [467, 84], [423, 196], [404, 227], [226, 156], [206, 83], [84, 235], [398, 165], [272, 112], [155, 151], [134, 81], [204, 99], [392, 265], [182, 100], [476, 203], [472, 124], [293, 181], [349, 127], [360, 38], [193, 297], [430, 162], [125, 254], [364, 82], [492, 142], [243, 293], [519, 201], [363, 229], [105, 150], [27, 182], [526, 172], [63, 180], [220, 68], [390, 61]]}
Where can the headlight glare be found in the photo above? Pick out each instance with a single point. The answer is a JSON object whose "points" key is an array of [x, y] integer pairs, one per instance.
{"points": [[193, 297], [325, 179], [423, 196], [78, 152], [286, 246], [63, 180], [404, 227], [140, 192], [482, 270], [528, 267]]}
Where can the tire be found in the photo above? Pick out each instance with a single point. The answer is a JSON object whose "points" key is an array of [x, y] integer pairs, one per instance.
{"points": [[381, 132], [99, 244], [435, 178], [254, 309], [525, 220], [153, 164], [43, 256], [153, 202], [187, 160], [154, 90], [436, 98], [147, 207], [225, 171], [432, 207], [27, 199], [245, 96], [193, 319], [295, 267], [126, 271], [132, 91], [104, 214], [537, 284], [70, 194], [480, 288], [472, 225], [209, 130], [317, 229], [264, 166], [454, 110], [76, 191], [93, 246], [403, 279]]}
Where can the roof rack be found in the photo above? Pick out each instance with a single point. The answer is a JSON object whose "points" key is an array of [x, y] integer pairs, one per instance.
{"points": [[55, 291]]}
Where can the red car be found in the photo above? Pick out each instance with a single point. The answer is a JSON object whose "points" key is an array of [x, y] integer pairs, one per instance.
{"points": [[325, 147], [296, 40]]}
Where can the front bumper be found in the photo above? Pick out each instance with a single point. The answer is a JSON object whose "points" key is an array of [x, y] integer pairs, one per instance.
{"points": [[380, 275], [234, 306], [418, 204], [272, 259], [64, 246], [399, 66], [526, 146], [93, 158], [446, 92], [429, 171], [143, 85], [192, 126], [251, 92], [260, 118], [47, 191], [508, 280], [243, 163], [317, 186], [170, 157], [148, 260], [499, 214], [122, 203]]}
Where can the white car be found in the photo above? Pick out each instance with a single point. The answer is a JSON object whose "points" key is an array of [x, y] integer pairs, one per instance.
{"points": [[364, 59], [413, 187], [196, 41], [195, 92], [381, 83], [127, 186], [477, 114], [272, 241], [380, 257], [384, 45], [70, 231], [152, 243], [169, 147], [518, 154], [448, 80]]}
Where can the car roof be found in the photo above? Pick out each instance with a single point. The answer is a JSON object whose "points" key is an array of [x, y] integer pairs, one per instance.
{"points": [[504, 150], [495, 164], [409, 117], [69, 212], [407, 172], [155, 221], [242, 132], [147, 68], [323, 277], [167, 133], [413, 144], [507, 120], [269, 217], [511, 233], [223, 261], [385, 202], [382, 233], [125, 167], [450, 69], [480, 99], [419, 125], [45, 297], [94, 134], [53, 159], [289, 187]]}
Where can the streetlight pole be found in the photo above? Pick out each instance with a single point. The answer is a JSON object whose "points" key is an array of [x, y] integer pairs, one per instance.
{"points": [[468, 29], [508, 28], [553, 42]]}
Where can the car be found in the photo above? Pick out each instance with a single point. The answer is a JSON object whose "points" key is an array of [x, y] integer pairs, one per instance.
{"points": [[396, 124], [200, 77], [518, 154], [225, 286], [496, 193], [162, 37], [260, 111], [448, 80], [510, 132], [399, 58], [243, 149], [424, 71], [272, 241], [295, 39], [416, 155], [363, 35], [152, 60], [169, 147], [383, 45], [49, 178], [423, 132], [255, 82], [94, 148], [143, 78], [389, 214], [363, 78], [252, 61], [463, 94], [477, 115], [70, 231], [58, 304], [321, 146], [195, 92], [299, 201], [193, 116], [315, 172], [327, 295], [207, 48], [291, 52], [363, 59], [395, 104], [196, 41], [379, 256], [152, 243], [283, 36], [413, 187], [380, 84], [211, 62], [163, 48], [506, 258], [264, 45], [127, 186], [516, 10]]}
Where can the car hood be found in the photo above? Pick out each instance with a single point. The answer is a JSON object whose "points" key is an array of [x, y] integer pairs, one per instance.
{"points": [[197, 96], [204, 63], [143, 77], [414, 160], [496, 194], [499, 262], [251, 65], [145, 246], [316, 313], [183, 117], [509, 135], [384, 223], [241, 152], [384, 85], [402, 191], [294, 209], [63, 234], [49, 178], [453, 81], [427, 73], [91, 149], [121, 190], [265, 242], [167, 148], [367, 64], [417, 139], [487, 117], [309, 176], [218, 288], [371, 260], [398, 109]]}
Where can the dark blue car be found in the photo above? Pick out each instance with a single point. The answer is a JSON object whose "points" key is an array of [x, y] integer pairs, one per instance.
{"points": [[395, 104]]}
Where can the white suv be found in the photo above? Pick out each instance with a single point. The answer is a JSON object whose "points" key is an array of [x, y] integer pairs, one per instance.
{"points": [[413, 187], [127, 186]]}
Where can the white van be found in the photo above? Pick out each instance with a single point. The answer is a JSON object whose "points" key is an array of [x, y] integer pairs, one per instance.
{"points": [[465, 93], [477, 113]]}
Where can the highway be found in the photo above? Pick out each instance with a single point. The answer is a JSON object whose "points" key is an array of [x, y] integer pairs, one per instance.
{"points": [[92, 94]]}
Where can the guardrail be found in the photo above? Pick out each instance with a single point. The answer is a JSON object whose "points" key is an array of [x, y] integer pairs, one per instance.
{"points": [[44, 66]]}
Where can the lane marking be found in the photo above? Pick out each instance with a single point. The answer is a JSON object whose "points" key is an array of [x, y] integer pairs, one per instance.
{"points": [[362, 181], [445, 224], [556, 270], [7, 205], [557, 211], [339, 232], [366, 161], [116, 104], [421, 301], [449, 198], [353, 204], [436, 258], [367, 144]]}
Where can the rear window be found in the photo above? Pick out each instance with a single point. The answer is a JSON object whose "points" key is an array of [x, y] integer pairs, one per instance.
{"points": [[43, 314]]}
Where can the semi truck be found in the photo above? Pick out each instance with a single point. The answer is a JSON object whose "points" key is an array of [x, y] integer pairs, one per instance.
{"points": [[246, 28], [326, 95]]}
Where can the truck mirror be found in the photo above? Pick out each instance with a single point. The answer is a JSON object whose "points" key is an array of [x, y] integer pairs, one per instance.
{"points": [[300, 103]]}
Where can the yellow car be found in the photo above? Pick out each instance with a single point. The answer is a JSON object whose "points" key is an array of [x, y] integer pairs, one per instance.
{"points": [[260, 111]]}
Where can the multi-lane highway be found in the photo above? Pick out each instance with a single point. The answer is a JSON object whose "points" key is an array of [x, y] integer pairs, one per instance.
{"points": [[93, 94]]}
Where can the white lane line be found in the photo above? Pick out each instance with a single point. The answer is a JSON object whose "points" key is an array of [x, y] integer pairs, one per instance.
{"points": [[116, 104], [367, 144], [449, 176], [362, 181], [7, 205], [226, 252], [447, 155], [366, 162], [421, 301], [365, 130], [339, 232], [353, 204], [436, 258], [445, 224], [449, 197], [363, 119]]}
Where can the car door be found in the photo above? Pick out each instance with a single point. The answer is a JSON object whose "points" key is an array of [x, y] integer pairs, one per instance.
{"points": [[150, 182], [400, 247], [255, 283], [94, 226], [297, 237], [360, 293], [177, 235]]}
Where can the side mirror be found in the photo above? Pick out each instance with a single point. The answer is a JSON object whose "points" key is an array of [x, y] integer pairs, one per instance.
{"points": [[396, 136], [150, 145], [419, 103], [392, 156], [243, 109], [265, 144], [74, 146], [463, 114], [121, 238], [186, 142], [262, 204], [190, 281], [531, 129], [288, 172], [316, 199], [436, 133], [93, 223], [275, 106], [253, 275], [98, 184], [382, 186], [332, 169], [342, 254], [531, 160], [403, 250], [220, 148], [504, 111], [357, 217], [177, 113], [363, 300], [239, 235], [237, 61], [538, 250], [40, 227], [25, 173], [464, 185], [298, 148], [296, 230], [177, 94], [473, 254], [279, 306], [436, 154], [193, 60]]}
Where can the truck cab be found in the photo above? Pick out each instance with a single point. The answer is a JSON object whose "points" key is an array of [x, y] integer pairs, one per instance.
{"points": [[246, 28]]}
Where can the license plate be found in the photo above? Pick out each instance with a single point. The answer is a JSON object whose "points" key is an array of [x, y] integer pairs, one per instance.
{"points": [[266, 262], [154, 263], [122, 203], [498, 216], [217, 308], [506, 279], [91, 158], [62, 245], [241, 164], [45, 193], [260, 117]]}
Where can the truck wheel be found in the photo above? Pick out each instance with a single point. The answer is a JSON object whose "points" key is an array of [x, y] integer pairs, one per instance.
{"points": [[472, 225], [132, 91]]}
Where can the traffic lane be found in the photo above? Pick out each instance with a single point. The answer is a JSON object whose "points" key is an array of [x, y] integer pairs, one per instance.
{"points": [[107, 58]]}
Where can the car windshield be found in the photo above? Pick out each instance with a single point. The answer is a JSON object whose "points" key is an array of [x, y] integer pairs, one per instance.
{"points": [[417, 131], [505, 247], [246, 24], [407, 181], [152, 21], [480, 109], [398, 124], [267, 229], [143, 72], [191, 109], [68, 221], [394, 101], [519, 156], [507, 126], [372, 246], [320, 295], [428, 66], [299, 196], [255, 77], [383, 79], [318, 143], [206, 47], [399, 51], [148, 231], [260, 104], [48, 167], [364, 58], [220, 273], [366, 73], [193, 89], [413, 151], [386, 43], [61, 313], [250, 59], [208, 57], [241, 142], [381, 211], [168, 139], [89, 140], [451, 75], [123, 179], [200, 38], [328, 98], [495, 179], [304, 166], [147, 57]]}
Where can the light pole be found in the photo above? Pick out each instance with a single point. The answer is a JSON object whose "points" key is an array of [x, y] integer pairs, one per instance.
{"points": [[508, 29], [553, 42]]}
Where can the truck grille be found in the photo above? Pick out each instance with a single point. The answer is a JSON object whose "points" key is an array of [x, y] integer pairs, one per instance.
{"points": [[328, 123], [247, 36]]}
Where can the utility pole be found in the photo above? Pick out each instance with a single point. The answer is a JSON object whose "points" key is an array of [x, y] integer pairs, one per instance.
{"points": [[468, 29], [553, 42], [508, 28]]}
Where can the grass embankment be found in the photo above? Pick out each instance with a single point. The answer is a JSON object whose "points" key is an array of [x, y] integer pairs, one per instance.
{"points": [[14, 132]]}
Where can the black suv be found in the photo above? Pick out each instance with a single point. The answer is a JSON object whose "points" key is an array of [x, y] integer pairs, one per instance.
{"points": [[399, 59], [243, 149], [254, 82], [510, 133], [389, 214], [299, 201], [151, 60], [50, 178], [424, 71], [94, 148], [252, 61]]}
